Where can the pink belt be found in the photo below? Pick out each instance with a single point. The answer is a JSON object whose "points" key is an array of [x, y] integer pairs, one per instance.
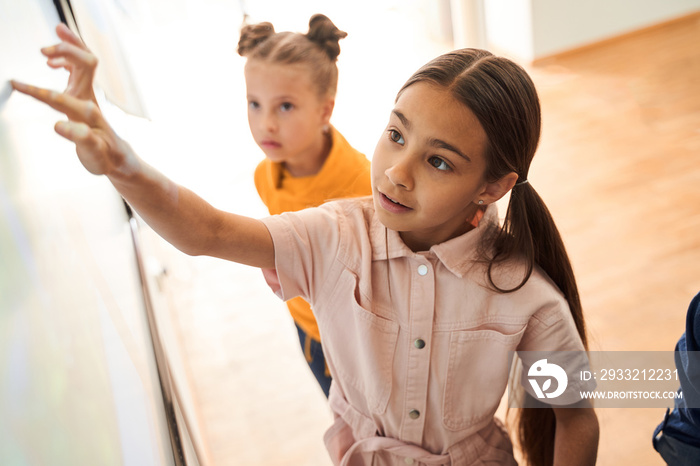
{"points": [[396, 447], [355, 433]]}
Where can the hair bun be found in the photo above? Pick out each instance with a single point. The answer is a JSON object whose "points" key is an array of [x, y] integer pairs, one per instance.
{"points": [[252, 35], [323, 32]]}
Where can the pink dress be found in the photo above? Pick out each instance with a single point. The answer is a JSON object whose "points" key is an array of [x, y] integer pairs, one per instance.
{"points": [[417, 343]]}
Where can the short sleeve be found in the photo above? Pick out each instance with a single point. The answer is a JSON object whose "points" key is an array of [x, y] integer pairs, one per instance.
{"points": [[306, 248], [551, 349], [552, 328]]}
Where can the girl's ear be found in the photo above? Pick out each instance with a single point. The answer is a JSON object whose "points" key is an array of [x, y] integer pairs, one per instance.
{"points": [[495, 190], [327, 110]]}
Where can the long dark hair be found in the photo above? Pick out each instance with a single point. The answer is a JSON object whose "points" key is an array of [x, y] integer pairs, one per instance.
{"points": [[503, 98]]}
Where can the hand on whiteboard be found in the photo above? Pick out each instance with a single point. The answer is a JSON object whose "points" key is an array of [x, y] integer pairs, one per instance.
{"points": [[99, 148], [72, 54]]}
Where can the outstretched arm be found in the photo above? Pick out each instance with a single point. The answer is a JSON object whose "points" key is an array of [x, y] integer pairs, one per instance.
{"points": [[177, 214]]}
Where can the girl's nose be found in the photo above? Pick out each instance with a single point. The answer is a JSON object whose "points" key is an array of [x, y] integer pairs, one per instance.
{"points": [[270, 123], [400, 175]]}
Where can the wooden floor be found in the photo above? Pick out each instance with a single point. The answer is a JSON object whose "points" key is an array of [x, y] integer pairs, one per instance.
{"points": [[619, 167]]}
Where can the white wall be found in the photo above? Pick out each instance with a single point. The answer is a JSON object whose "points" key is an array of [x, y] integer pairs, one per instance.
{"points": [[560, 25], [531, 29], [508, 25]]}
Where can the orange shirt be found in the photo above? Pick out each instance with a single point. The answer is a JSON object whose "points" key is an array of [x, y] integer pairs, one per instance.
{"points": [[345, 173]]}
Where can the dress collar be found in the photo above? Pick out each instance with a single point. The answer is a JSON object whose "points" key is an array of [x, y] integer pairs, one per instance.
{"points": [[457, 254]]}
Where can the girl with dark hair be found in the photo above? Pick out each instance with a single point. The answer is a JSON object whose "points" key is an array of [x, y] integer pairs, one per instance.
{"points": [[420, 293], [291, 82]]}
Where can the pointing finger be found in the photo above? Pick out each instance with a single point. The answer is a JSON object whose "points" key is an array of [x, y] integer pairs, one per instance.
{"points": [[38, 93], [84, 111]]}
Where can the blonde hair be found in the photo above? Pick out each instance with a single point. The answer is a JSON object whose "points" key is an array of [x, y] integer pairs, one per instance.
{"points": [[318, 49]]}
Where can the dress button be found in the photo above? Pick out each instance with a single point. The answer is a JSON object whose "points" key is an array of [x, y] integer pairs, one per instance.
{"points": [[414, 414], [419, 343], [422, 269], [408, 460]]}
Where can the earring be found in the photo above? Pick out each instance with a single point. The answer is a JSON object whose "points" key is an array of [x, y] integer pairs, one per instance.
{"points": [[481, 202], [326, 129]]}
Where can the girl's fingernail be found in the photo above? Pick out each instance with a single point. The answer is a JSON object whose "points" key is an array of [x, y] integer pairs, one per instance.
{"points": [[48, 50], [19, 86]]}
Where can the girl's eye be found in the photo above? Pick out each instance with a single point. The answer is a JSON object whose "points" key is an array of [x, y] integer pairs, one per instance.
{"points": [[253, 105], [285, 107], [438, 163], [396, 137]]}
